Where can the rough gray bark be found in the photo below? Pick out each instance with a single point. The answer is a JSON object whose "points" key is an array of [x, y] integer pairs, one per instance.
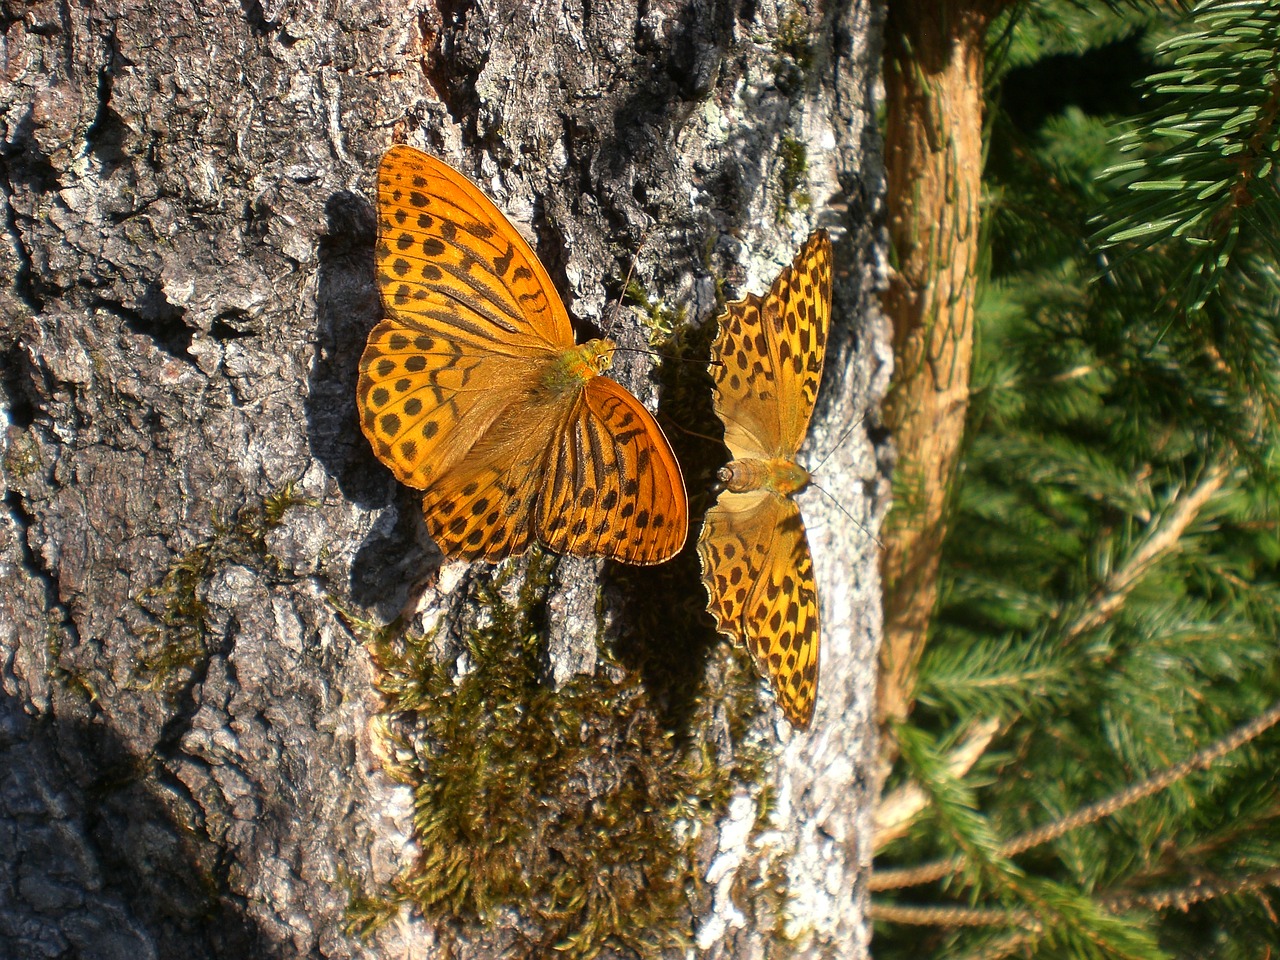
{"points": [[188, 245]]}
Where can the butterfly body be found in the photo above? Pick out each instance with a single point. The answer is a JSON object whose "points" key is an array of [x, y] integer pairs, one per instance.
{"points": [[777, 475], [473, 390], [756, 565]]}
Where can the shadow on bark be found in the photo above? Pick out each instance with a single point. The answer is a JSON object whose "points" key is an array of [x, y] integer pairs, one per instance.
{"points": [[157, 885], [347, 308], [668, 637]]}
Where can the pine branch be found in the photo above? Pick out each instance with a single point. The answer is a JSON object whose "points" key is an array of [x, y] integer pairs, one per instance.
{"points": [[1212, 189], [1074, 923], [1239, 827], [897, 809], [1176, 898], [951, 917], [1160, 542], [954, 809], [926, 873], [1182, 898]]}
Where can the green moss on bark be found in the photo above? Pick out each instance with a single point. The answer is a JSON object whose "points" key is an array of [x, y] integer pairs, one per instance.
{"points": [[178, 643], [580, 809]]}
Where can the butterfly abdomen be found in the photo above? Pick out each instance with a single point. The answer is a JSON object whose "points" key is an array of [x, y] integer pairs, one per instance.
{"points": [[777, 475]]}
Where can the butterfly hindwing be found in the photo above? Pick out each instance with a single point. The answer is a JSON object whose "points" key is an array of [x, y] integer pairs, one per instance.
{"points": [[759, 575], [483, 509], [613, 490]]}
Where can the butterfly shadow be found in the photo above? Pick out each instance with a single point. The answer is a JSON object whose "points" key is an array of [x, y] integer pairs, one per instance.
{"points": [[396, 549], [667, 636], [347, 308], [396, 559]]}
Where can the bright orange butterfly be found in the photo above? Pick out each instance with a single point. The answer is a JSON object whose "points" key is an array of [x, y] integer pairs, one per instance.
{"points": [[756, 565], [473, 390]]}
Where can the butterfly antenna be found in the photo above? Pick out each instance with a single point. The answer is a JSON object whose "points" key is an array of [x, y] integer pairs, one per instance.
{"points": [[852, 519], [663, 356], [626, 282], [693, 433], [843, 437]]}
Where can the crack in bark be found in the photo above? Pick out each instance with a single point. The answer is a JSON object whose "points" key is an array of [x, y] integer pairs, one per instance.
{"points": [[107, 133], [455, 89], [21, 411], [155, 320], [24, 280], [32, 563]]}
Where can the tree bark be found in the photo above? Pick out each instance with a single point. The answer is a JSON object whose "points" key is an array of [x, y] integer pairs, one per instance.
{"points": [[194, 753]]}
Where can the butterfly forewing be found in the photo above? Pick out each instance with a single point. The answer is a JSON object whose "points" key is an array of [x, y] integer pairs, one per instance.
{"points": [[469, 312], [444, 249], [416, 386], [739, 371], [800, 320], [771, 350]]}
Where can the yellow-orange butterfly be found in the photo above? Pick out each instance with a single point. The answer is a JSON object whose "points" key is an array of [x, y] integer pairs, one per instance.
{"points": [[473, 390], [756, 565]]}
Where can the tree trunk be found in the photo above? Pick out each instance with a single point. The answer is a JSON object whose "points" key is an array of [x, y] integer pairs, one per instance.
{"points": [[206, 749], [935, 58]]}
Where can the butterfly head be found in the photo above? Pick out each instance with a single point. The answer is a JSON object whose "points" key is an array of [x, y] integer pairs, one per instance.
{"points": [[598, 354]]}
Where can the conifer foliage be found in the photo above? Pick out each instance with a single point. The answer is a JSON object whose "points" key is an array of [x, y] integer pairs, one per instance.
{"points": [[1111, 594]]}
